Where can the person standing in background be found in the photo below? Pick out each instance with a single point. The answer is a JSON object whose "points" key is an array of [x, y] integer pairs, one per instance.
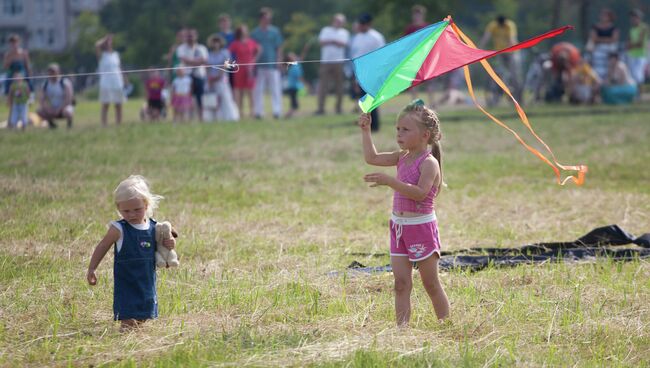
{"points": [[181, 90], [603, 40], [223, 105], [154, 86], [17, 99], [333, 40], [194, 56], [16, 60], [267, 76], [172, 58], [365, 40], [503, 34], [418, 21], [637, 46], [295, 82], [225, 29], [111, 80], [228, 34], [245, 51]]}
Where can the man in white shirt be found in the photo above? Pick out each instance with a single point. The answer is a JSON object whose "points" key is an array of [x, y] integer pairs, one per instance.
{"points": [[333, 40], [366, 40], [194, 55]]}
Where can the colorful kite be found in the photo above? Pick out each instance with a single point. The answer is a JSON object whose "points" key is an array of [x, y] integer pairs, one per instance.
{"points": [[431, 52]]}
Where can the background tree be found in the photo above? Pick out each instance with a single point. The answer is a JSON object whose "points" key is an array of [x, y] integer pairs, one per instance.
{"points": [[302, 38]]}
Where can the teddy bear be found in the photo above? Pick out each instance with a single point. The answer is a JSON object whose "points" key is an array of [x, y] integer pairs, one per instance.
{"points": [[165, 257]]}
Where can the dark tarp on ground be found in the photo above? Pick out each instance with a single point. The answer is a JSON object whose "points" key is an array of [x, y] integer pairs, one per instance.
{"points": [[597, 243]]}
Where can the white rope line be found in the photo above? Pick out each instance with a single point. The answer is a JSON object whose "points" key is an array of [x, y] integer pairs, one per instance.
{"points": [[228, 67]]}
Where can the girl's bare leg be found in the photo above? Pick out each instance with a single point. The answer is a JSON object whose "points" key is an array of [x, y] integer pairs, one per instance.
{"points": [[429, 274], [402, 271]]}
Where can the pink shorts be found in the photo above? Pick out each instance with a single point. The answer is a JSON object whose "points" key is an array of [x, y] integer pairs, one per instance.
{"points": [[182, 103], [414, 237]]}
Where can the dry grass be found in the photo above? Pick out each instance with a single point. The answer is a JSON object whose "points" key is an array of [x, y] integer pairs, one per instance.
{"points": [[266, 209]]}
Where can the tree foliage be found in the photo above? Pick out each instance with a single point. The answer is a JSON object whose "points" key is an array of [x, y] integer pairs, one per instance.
{"points": [[79, 57]]}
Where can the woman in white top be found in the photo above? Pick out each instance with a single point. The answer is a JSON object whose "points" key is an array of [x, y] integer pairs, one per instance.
{"points": [[111, 80]]}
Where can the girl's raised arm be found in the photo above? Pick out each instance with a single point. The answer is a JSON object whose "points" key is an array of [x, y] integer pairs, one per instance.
{"points": [[98, 48], [370, 153]]}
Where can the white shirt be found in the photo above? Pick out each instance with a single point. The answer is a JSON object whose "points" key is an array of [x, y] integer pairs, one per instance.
{"points": [[363, 43], [54, 92], [109, 63], [118, 226], [197, 51], [333, 52], [182, 85]]}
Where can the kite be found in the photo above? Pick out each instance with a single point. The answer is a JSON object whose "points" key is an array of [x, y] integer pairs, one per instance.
{"points": [[436, 50]]}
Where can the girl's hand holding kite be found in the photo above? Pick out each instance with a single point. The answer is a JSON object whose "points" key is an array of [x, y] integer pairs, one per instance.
{"points": [[364, 122]]}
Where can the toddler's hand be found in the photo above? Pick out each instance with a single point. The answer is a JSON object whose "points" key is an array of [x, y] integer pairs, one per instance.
{"points": [[169, 243], [364, 122], [91, 277]]}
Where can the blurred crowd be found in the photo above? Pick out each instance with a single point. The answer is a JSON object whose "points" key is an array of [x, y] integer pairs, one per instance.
{"points": [[611, 68], [197, 84]]}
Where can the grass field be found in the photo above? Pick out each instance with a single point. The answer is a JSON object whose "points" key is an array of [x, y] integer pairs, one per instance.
{"points": [[266, 208]]}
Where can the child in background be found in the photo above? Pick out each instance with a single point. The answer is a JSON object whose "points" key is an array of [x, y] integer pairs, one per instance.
{"points": [[294, 82], [181, 95], [19, 92], [414, 228], [154, 86], [134, 271]]}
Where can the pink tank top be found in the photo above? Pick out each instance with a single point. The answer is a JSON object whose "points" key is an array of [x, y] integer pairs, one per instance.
{"points": [[410, 173]]}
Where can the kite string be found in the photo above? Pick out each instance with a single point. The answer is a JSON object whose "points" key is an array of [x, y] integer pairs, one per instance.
{"points": [[228, 67]]}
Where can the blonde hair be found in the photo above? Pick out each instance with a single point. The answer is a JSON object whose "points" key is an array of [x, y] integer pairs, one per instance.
{"points": [[136, 186], [428, 120]]}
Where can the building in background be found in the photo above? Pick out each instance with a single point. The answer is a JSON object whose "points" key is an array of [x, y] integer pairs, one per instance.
{"points": [[42, 24]]}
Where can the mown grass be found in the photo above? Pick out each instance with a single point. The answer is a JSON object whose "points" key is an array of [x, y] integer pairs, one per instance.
{"points": [[266, 208]]}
